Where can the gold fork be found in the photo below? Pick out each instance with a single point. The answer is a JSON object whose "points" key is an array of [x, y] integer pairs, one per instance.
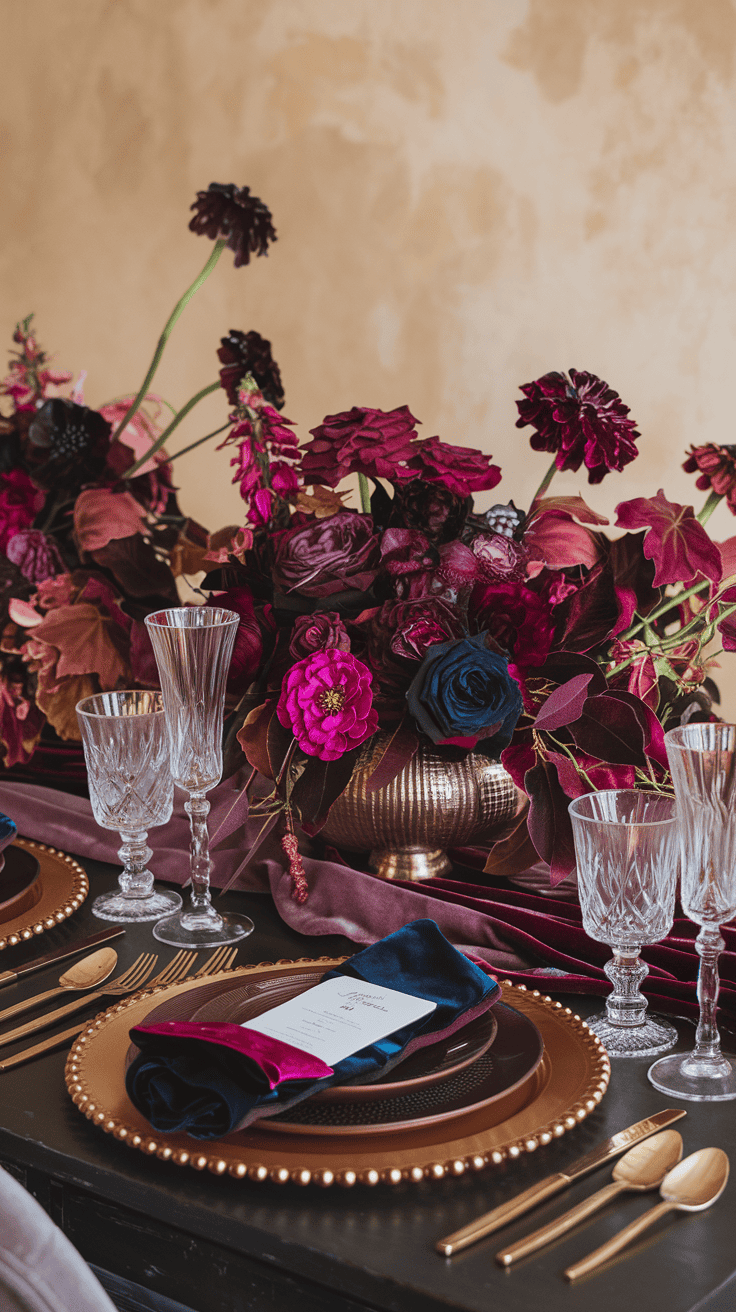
{"points": [[221, 959], [131, 979]]}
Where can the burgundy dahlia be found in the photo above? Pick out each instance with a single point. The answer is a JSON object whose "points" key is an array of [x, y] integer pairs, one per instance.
{"points": [[360, 441], [230, 213], [249, 353], [460, 469], [717, 468], [581, 420], [326, 701]]}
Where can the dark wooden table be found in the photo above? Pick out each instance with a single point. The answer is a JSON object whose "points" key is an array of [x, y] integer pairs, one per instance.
{"points": [[224, 1245]]}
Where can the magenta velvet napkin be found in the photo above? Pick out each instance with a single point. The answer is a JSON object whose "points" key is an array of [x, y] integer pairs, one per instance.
{"points": [[517, 935]]}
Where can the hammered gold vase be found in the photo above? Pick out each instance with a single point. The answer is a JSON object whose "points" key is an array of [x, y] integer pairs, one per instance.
{"points": [[433, 804]]}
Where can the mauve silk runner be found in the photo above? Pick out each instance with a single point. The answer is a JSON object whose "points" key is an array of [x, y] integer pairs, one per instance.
{"points": [[518, 935]]}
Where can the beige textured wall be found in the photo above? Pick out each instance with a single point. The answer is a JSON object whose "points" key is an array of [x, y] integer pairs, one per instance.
{"points": [[467, 193]]}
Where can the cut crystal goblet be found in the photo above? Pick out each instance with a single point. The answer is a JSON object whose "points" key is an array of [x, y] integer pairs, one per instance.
{"points": [[702, 760], [626, 846], [193, 646], [126, 751]]}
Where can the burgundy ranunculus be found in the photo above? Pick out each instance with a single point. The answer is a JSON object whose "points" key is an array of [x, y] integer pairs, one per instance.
{"points": [[408, 628], [334, 555], [20, 502], [36, 556], [248, 649], [249, 353], [460, 469], [326, 702], [717, 466], [227, 212], [519, 619], [317, 632], [360, 441], [431, 507], [581, 419], [500, 557]]}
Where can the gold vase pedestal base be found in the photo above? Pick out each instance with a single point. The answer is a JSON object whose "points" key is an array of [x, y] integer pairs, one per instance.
{"points": [[410, 863]]}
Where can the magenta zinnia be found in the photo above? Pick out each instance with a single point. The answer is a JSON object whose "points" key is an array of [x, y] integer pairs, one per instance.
{"points": [[327, 703], [581, 420]]}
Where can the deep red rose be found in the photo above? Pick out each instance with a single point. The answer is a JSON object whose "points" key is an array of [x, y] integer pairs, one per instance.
{"points": [[360, 441], [581, 420], [519, 619], [317, 632], [248, 649], [717, 466], [333, 555], [460, 469], [408, 628]]}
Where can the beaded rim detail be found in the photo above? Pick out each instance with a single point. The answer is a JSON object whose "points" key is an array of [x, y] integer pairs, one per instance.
{"points": [[200, 1159], [60, 905]]}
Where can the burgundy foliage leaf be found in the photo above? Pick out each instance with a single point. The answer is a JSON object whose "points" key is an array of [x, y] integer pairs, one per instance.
{"points": [[319, 785], [514, 852], [253, 737], [610, 730], [565, 704], [676, 542], [550, 828], [398, 752]]}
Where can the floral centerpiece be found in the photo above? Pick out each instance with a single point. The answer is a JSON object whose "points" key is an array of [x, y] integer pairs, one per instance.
{"points": [[525, 634]]}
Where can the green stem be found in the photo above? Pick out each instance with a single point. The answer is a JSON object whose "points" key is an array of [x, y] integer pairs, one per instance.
{"points": [[163, 339], [544, 484], [365, 494], [668, 604], [180, 414], [199, 442], [704, 515]]}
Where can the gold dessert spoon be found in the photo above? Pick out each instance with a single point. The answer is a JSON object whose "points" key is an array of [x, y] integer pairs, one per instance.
{"points": [[83, 974], [643, 1167], [692, 1186]]}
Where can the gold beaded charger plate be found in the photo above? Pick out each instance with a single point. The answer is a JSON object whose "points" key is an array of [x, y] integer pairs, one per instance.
{"points": [[238, 1002], [567, 1085], [58, 891]]}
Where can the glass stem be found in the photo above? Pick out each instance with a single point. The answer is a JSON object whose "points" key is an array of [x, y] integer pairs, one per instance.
{"points": [[197, 808], [135, 880], [709, 945], [626, 1006]]}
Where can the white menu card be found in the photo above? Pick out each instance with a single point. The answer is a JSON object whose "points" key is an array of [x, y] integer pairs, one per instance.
{"points": [[339, 1017]]}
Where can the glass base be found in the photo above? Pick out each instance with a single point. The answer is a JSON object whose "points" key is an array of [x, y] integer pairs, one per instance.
{"points": [[122, 908], [646, 1040], [681, 1077], [193, 929]]}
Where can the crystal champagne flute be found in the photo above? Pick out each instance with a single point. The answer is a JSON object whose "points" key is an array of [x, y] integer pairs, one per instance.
{"points": [[626, 845], [193, 646], [702, 760], [126, 751]]}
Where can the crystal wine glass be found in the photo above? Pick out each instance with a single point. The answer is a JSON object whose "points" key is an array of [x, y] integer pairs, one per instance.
{"points": [[126, 751], [626, 844], [702, 760], [193, 646]]}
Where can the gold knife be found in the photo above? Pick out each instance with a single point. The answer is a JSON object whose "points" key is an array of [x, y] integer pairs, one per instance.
{"points": [[553, 1184], [56, 1041]]}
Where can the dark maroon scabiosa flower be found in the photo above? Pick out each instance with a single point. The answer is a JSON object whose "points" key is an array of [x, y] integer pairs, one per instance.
{"points": [[460, 469], [581, 420], [360, 441], [229, 213], [68, 444], [431, 507], [716, 466], [249, 353], [326, 701]]}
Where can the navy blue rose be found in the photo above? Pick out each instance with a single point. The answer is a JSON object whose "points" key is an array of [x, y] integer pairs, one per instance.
{"points": [[463, 694]]}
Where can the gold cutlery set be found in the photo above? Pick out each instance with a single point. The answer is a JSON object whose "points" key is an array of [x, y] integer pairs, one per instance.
{"points": [[653, 1161], [84, 975]]}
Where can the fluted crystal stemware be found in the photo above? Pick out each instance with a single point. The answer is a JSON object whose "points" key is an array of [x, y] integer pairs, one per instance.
{"points": [[193, 646], [702, 759], [126, 752], [626, 846]]}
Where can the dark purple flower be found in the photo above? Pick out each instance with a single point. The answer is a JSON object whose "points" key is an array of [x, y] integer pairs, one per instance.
{"points": [[360, 441], [249, 353], [717, 467], [230, 213], [317, 632], [334, 555], [580, 419], [326, 702], [431, 507], [68, 444], [36, 556]]}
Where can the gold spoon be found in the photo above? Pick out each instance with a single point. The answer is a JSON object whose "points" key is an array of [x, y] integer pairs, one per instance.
{"points": [[643, 1167], [83, 974], [692, 1186]]}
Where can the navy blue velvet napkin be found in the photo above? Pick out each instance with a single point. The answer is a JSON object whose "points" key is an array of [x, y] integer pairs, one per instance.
{"points": [[212, 1078]]}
